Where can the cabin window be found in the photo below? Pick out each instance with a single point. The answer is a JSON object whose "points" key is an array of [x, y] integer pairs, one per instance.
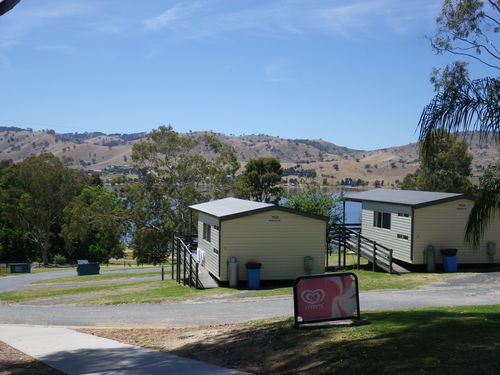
{"points": [[403, 237], [382, 219], [403, 215], [216, 227], [206, 232]]}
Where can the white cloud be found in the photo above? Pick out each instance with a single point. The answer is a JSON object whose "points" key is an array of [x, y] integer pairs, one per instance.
{"points": [[292, 17], [162, 20]]}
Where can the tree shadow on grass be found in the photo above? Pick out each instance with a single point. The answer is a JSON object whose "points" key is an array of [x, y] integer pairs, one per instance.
{"points": [[457, 341]]}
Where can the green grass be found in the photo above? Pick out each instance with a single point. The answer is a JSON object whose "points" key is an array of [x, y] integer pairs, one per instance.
{"points": [[350, 260], [109, 276], [167, 291], [459, 340], [33, 294], [368, 280]]}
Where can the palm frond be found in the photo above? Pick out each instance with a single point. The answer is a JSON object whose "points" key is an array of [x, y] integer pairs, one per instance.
{"points": [[473, 106], [487, 205]]}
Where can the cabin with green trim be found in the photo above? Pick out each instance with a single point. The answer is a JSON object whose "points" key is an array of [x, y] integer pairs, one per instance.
{"points": [[277, 237]]}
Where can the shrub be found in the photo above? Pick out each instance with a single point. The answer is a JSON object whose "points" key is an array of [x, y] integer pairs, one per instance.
{"points": [[59, 259]]}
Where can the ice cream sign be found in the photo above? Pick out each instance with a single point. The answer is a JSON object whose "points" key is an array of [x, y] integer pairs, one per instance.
{"points": [[321, 298]]}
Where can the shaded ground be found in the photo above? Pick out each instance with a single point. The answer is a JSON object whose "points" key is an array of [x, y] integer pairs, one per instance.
{"points": [[14, 362], [464, 340]]}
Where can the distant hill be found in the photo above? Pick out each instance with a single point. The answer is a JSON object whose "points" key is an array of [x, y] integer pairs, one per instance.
{"points": [[301, 158]]}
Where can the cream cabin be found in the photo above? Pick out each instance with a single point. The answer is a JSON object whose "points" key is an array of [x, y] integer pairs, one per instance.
{"points": [[275, 236], [409, 221]]}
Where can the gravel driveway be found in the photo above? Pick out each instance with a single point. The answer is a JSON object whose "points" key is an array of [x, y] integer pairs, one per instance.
{"points": [[465, 289]]}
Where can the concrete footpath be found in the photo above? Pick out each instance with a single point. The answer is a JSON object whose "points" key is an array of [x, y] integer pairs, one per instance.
{"points": [[73, 352]]}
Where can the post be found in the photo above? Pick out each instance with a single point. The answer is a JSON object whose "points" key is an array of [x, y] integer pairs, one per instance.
{"points": [[172, 255], [162, 274], [359, 249], [178, 264], [340, 243], [184, 265], [197, 280], [374, 255], [345, 245], [390, 261], [190, 270]]}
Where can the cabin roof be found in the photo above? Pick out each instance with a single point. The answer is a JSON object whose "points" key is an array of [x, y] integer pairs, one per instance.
{"points": [[412, 198], [229, 208]]}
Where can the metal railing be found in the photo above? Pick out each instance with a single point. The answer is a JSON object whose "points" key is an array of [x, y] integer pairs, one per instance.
{"points": [[348, 238], [185, 267]]}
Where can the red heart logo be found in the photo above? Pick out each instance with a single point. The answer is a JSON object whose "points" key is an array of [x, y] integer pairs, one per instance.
{"points": [[313, 297]]}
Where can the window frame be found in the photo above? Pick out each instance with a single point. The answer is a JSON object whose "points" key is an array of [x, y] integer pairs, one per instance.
{"points": [[207, 232], [382, 219]]}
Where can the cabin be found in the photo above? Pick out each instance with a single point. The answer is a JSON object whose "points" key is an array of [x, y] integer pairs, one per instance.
{"points": [[409, 221], [277, 237]]}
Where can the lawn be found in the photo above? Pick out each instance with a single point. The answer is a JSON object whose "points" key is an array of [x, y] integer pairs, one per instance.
{"points": [[369, 280], [459, 340], [107, 276], [133, 291], [39, 293], [117, 293], [167, 291]]}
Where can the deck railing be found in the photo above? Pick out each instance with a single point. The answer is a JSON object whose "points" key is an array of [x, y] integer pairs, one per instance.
{"points": [[185, 267], [347, 238]]}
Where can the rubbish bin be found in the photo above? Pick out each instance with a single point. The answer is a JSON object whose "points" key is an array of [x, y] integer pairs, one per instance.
{"points": [[232, 270], [449, 259], [253, 275], [430, 257], [308, 264], [20, 267], [88, 269]]}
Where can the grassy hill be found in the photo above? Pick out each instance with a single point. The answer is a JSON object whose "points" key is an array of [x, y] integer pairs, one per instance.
{"points": [[111, 153]]}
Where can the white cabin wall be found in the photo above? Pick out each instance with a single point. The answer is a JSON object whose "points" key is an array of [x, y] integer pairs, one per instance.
{"points": [[210, 248], [389, 237]]}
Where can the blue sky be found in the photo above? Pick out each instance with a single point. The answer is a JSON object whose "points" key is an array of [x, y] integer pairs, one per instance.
{"points": [[355, 73]]}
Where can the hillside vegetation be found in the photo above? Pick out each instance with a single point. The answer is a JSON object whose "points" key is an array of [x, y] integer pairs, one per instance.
{"points": [[324, 161]]}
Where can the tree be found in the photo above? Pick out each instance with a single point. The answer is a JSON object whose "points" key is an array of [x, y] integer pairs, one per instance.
{"points": [[33, 196], [467, 28], [260, 180], [312, 201], [94, 223], [7, 5], [487, 203], [409, 182], [446, 169], [175, 171]]}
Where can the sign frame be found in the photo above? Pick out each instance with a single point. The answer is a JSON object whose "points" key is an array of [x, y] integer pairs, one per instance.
{"points": [[297, 323]]}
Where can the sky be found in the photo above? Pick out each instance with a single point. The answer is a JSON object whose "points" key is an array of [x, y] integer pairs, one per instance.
{"points": [[352, 72]]}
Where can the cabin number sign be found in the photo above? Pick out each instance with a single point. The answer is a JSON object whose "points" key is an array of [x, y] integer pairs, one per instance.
{"points": [[326, 297]]}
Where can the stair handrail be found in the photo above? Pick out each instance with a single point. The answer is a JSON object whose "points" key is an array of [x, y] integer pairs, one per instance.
{"points": [[379, 251], [186, 263]]}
